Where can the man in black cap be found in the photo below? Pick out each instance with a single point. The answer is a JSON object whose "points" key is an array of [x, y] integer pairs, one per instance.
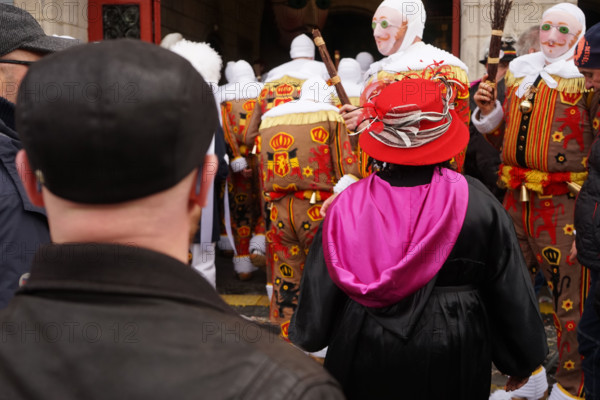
{"points": [[23, 227], [112, 306], [587, 59]]}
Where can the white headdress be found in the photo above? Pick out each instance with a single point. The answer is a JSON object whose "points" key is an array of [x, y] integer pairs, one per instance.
{"points": [[302, 46], [412, 11], [579, 16]]}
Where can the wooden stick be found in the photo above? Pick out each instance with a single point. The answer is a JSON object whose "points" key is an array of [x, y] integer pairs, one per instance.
{"points": [[334, 78]]}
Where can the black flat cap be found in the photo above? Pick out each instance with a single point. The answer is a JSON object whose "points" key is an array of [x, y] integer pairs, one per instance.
{"points": [[20, 31], [114, 121]]}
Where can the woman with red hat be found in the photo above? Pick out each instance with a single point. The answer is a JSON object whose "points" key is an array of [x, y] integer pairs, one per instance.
{"points": [[401, 282]]}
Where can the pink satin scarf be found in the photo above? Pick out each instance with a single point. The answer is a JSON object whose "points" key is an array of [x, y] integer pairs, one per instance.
{"points": [[383, 243]]}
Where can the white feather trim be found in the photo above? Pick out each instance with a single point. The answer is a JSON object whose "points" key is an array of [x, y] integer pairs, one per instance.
{"points": [[344, 182], [206, 60], [239, 164], [486, 124]]}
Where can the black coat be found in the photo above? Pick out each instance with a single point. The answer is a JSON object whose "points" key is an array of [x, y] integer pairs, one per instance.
{"points": [[587, 210], [438, 343], [482, 160], [98, 321]]}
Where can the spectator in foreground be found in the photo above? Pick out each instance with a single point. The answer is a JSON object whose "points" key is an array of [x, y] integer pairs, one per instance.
{"points": [[23, 226], [112, 309], [587, 59]]}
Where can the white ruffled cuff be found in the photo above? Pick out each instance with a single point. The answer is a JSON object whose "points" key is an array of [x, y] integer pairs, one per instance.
{"points": [[344, 182], [488, 123], [258, 244], [243, 265], [224, 243], [239, 164]]}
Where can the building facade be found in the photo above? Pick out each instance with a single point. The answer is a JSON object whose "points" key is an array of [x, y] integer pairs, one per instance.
{"points": [[260, 31]]}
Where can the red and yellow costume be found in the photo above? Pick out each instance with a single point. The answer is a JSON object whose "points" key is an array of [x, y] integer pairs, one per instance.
{"points": [[304, 151], [244, 192], [544, 140]]}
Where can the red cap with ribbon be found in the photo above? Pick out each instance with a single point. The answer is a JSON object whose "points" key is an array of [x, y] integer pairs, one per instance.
{"points": [[412, 122]]}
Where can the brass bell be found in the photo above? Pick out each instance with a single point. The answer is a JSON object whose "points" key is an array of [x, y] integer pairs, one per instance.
{"points": [[574, 188], [313, 198], [524, 194], [526, 106]]}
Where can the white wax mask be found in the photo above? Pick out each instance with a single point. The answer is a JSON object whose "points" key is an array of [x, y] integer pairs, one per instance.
{"points": [[389, 30], [559, 32]]}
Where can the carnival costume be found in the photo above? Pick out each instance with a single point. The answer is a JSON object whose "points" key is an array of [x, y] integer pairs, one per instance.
{"points": [[238, 100], [545, 138], [414, 59], [304, 151]]}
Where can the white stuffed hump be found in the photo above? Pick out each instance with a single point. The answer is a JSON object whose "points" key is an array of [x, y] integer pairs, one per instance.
{"points": [[203, 57], [169, 40]]}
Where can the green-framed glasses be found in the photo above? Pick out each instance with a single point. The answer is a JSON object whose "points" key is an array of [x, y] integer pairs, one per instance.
{"points": [[561, 28], [384, 24]]}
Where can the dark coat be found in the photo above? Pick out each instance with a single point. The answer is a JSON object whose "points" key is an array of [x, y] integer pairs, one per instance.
{"points": [[587, 213], [482, 160], [23, 226], [439, 342], [587, 216], [99, 321]]}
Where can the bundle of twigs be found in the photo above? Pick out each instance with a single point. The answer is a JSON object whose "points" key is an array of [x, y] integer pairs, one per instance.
{"points": [[499, 10]]}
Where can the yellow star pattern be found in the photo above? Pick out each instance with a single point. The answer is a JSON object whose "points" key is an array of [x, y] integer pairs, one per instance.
{"points": [[308, 171], [569, 365], [558, 137], [295, 250], [568, 229], [567, 305], [584, 162]]}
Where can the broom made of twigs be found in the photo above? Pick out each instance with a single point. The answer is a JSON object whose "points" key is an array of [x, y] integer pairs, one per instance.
{"points": [[499, 10], [334, 78]]}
